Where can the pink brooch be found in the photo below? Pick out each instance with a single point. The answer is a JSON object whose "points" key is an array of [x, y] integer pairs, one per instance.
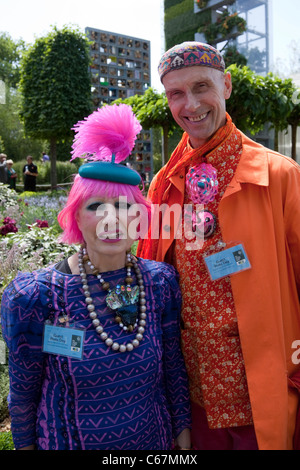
{"points": [[202, 183]]}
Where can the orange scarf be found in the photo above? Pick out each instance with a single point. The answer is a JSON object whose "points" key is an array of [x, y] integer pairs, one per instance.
{"points": [[182, 157]]}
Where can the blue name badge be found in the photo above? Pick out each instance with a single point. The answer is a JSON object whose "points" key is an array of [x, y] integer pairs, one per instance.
{"points": [[226, 262], [63, 341]]}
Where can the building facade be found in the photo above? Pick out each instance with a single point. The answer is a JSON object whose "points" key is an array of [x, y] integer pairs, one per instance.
{"points": [[120, 68], [240, 24]]}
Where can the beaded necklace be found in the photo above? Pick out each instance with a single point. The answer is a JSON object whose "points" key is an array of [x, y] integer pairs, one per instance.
{"points": [[123, 299]]}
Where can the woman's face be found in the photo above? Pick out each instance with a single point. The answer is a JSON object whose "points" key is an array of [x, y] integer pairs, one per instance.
{"points": [[105, 226]]}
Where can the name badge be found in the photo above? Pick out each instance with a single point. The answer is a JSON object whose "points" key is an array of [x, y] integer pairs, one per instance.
{"points": [[63, 341], [226, 262]]}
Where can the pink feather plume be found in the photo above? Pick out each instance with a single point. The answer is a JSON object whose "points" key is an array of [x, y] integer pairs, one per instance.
{"points": [[109, 130]]}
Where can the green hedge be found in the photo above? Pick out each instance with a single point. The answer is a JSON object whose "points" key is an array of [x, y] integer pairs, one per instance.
{"points": [[181, 23], [178, 9], [171, 3], [65, 171]]}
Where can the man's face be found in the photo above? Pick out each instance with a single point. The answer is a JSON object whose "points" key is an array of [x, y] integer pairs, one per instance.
{"points": [[196, 97]]}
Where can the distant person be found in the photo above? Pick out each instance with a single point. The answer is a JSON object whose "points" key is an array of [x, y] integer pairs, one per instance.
{"points": [[3, 169], [11, 174], [45, 158], [30, 171]]}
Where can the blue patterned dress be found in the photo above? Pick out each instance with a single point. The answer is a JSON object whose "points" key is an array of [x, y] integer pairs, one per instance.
{"points": [[109, 400]]}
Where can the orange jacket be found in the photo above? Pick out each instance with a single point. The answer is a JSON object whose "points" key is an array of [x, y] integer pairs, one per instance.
{"points": [[261, 209]]}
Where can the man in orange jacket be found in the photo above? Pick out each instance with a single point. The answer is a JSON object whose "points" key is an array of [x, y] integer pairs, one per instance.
{"points": [[235, 241]]}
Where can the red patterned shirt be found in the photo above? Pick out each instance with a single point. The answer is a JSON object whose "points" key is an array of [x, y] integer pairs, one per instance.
{"points": [[210, 336]]}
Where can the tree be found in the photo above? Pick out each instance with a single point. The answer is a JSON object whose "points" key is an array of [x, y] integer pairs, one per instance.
{"points": [[257, 100], [245, 101], [2, 148], [17, 145], [294, 121], [56, 88], [152, 110], [10, 56], [293, 118]]}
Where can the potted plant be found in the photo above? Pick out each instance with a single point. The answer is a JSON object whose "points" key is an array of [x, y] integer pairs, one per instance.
{"points": [[227, 25], [201, 3], [233, 56], [228, 22]]}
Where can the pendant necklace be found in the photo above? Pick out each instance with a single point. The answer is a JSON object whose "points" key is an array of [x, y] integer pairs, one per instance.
{"points": [[122, 299]]}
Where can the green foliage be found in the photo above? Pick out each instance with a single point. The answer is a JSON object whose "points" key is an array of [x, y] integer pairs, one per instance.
{"points": [[17, 144], [256, 100], [2, 148], [10, 55], [151, 109], [8, 197], [28, 208], [178, 9], [32, 247], [4, 390], [233, 56], [41, 241], [171, 3], [64, 171], [55, 84], [223, 26], [201, 3], [182, 26], [6, 442]]}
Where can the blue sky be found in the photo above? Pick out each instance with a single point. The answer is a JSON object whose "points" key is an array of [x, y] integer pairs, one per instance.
{"points": [[28, 19]]}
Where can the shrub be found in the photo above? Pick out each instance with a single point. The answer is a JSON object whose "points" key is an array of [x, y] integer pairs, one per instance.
{"points": [[4, 389], [38, 241], [8, 197], [6, 442], [64, 170]]}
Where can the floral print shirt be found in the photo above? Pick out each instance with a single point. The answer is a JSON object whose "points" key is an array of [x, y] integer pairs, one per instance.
{"points": [[210, 335]]}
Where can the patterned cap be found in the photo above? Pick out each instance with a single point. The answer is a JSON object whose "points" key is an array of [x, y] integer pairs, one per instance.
{"points": [[189, 54]]}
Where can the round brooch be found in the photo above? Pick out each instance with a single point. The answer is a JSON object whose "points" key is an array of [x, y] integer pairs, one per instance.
{"points": [[202, 183], [204, 224]]}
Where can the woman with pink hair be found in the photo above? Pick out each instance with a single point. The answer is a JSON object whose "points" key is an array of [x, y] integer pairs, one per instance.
{"points": [[94, 342]]}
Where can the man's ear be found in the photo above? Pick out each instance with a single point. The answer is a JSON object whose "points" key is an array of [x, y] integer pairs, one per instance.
{"points": [[227, 85]]}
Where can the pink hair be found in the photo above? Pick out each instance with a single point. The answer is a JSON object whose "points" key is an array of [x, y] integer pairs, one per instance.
{"points": [[84, 189]]}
